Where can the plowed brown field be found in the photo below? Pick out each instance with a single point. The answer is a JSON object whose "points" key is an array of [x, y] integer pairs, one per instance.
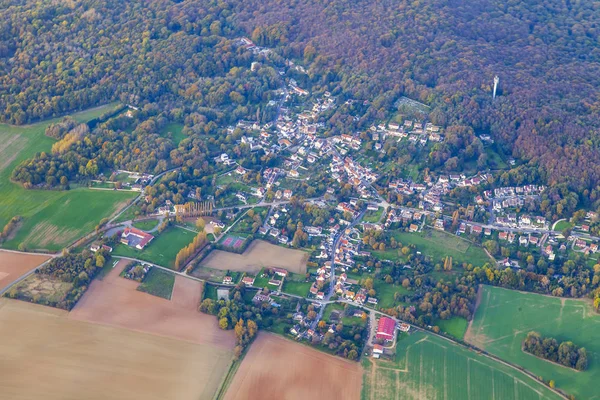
{"points": [[276, 368], [13, 265]]}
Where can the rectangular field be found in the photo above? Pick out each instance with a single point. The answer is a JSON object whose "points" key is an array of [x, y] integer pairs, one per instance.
{"points": [[51, 218], [258, 255], [158, 283], [233, 241], [115, 301], [431, 368], [277, 368], [504, 317], [46, 355], [14, 265]]}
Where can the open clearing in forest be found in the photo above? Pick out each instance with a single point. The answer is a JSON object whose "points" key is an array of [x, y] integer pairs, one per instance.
{"points": [[504, 317], [258, 255], [46, 355], [51, 218], [115, 301], [427, 367], [14, 265], [276, 368]]}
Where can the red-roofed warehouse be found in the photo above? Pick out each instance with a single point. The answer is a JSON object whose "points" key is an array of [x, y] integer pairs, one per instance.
{"points": [[385, 329]]}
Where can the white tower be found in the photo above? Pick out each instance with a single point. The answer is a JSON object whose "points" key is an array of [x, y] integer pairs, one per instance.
{"points": [[496, 80]]}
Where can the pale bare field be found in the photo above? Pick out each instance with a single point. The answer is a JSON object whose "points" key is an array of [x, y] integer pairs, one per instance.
{"points": [[115, 301], [14, 265], [276, 368], [258, 255], [46, 355]]}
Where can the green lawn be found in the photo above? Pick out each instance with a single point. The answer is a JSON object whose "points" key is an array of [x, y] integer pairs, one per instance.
{"points": [[330, 308], [438, 245], [158, 283], [455, 326], [504, 317], [295, 284], [261, 282], [385, 293], [562, 225], [210, 292], [51, 219], [162, 250], [176, 131], [373, 216], [146, 225], [428, 367]]}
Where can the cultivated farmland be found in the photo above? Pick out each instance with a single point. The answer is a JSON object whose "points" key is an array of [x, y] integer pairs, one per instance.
{"points": [[46, 355], [14, 265], [277, 368], [504, 317], [428, 367], [258, 255], [115, 301], [51, 218]]}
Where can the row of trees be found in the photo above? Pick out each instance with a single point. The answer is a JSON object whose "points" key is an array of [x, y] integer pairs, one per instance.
{"points": [[184, 255], [565, 353], [10, 227]]}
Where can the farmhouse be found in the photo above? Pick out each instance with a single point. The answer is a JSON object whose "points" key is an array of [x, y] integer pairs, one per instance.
{"points": [[133, 237], [385, 328]]}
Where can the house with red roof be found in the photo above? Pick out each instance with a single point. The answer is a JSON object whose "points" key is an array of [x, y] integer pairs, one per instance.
{"points": [[134, 237], [386, 328]]}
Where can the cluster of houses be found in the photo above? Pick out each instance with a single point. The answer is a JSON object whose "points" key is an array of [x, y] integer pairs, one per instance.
{"points": [[415, 131]]}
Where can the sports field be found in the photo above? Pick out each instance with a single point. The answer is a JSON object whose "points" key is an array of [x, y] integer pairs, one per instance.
{"points": [[428, 367], [439, 244], [233, 241], [51, 218], [46, 355], [504, 317]]}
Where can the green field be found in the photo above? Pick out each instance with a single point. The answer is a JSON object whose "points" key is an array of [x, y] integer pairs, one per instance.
{"points": [[438, 245], [158, 283], [428, 367], [373, 216], [176, 130], [294, 284], [562, 225], [51, 219], [504, 317], [162, 250], [146, 225], [384, 292], [455, 326]]}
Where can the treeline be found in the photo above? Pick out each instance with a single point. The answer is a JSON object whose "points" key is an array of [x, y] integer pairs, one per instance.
{"points": [[565, 353], [184, 255], [10, 227]]}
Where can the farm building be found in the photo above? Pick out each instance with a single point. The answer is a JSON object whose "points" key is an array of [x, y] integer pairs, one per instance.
{"points": [[377, 349], [133, 237], [385, 328]]}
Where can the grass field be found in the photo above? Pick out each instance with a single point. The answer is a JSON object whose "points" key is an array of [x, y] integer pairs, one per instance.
{"points": [[454, 326], [504, 317], [295, 284], [51, 218], [146, 225], [176, 130], [428, 367], [162, 250], [562, 225], [385, 293], [158, 283], [373, 216], [439, 244]]}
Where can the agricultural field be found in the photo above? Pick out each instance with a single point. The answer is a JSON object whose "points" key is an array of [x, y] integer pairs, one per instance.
{"points": [[428, 367], [158, 283], [277, 368], [115, 301], [69, 359], [258, 255], [162, 250], [52, 219], [41, 289], [209, 274], [439, 244], [14, 265], [504, 317]]}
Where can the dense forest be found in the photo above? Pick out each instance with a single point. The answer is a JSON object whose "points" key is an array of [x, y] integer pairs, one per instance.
{"points": [[565, 353]]}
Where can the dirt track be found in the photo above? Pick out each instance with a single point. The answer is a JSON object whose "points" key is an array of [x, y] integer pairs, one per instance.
{"points": [[14, 265], [258, 255], [115, 301], [276, 368], [46, 355]]}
